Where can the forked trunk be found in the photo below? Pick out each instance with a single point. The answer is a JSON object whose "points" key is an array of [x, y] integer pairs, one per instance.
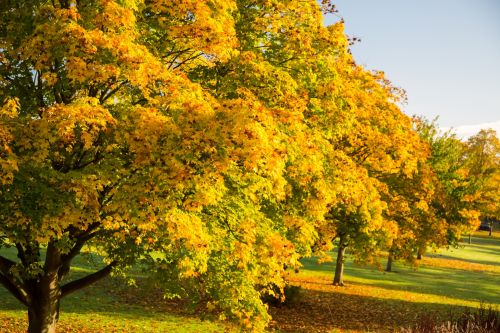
{"points": [[43, 312], [42, 294], [338, 279]]}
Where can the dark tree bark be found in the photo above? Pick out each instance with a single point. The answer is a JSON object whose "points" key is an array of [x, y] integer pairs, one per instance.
{"points": [[45, 294], [388, 268], [338, 279], [420, 253], [43, 311], [42, 294]]}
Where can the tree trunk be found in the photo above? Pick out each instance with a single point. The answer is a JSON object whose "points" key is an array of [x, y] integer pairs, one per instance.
{"points": [[420, 253], [338, 279], [43, 293], [388, 268], [470, 239], [43, 311]]}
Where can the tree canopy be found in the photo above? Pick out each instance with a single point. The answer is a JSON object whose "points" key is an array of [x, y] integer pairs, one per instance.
{"points": [[217, 142]]}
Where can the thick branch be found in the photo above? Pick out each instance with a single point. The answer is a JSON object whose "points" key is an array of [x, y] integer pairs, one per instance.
{"points": [[52, 258], [75, 250], [5, 265], [13, 289], [87, 280], [106, 94], [21, 254], [8, 281], [39, 89]]}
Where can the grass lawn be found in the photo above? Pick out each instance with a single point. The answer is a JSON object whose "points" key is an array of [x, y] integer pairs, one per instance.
{"points": [[110, 305], [372, 301], [376, 301]]}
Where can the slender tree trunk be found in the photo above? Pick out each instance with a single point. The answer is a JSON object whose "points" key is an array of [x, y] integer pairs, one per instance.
{"points": [[470, 239], [420, 253], [388, 268], [43, 312], [338, 279]]}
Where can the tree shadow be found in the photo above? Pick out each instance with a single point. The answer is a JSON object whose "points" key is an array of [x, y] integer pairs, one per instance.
{"points": [[321, 307], [111, 305], [110, 297], [328, 310], [482, 241], [472, 261], [449, 282]]}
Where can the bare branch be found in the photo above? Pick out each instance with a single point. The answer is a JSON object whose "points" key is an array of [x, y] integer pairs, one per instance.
{"points": [[9, 281], [13, 289], [106, 94], [87, 280]]}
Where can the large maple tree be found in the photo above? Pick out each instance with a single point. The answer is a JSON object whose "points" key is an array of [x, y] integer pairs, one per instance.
{"points": [[108, 140]]}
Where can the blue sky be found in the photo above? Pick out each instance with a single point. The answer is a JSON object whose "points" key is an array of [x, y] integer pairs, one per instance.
{"points": [[444, 53]]}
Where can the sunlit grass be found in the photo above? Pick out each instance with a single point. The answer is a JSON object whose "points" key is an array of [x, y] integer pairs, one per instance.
{"points": [[110, 305], [372, 300], [377, 301], [467, 275]]}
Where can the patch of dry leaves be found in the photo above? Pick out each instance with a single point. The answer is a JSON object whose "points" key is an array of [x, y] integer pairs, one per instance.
{"points": [[323, 307], [459, 264]]}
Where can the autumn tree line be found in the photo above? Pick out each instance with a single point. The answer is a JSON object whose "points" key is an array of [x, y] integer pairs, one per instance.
{"points": [[216, 142]]}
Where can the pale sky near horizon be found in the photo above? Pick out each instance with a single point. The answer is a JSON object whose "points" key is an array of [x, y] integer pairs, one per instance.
{"points": [[444, 53]]}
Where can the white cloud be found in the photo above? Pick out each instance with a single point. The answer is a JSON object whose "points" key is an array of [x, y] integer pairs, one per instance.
{"points": [[465, 131]]}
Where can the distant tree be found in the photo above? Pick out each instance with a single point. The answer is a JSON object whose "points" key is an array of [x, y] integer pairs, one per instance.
{"points": [[453, 200], [482, 155], [366, 140]]}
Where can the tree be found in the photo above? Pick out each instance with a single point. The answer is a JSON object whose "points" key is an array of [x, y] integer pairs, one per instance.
{"points": [[452, 203], [119, 143], [482, 153], [371, 141], [410, 208]]}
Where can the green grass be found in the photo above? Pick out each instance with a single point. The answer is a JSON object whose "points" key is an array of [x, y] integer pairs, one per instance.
{"points": [[444, 285], [482, 250], [110, 305], [464, 276], [376, 301]]}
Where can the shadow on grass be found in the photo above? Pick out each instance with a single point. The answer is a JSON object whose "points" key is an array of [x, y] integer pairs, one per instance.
{"points": [[111, 306], [454, 283], [330, 310], [472, 261], [484, 241], [110, 297]]}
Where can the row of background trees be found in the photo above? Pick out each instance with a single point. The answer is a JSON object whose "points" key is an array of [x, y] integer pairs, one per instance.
{"points": [[217, 142]]}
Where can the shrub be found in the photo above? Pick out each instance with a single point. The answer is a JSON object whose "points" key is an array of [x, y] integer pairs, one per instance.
{"points": [[482, 320], [290, 295]]}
